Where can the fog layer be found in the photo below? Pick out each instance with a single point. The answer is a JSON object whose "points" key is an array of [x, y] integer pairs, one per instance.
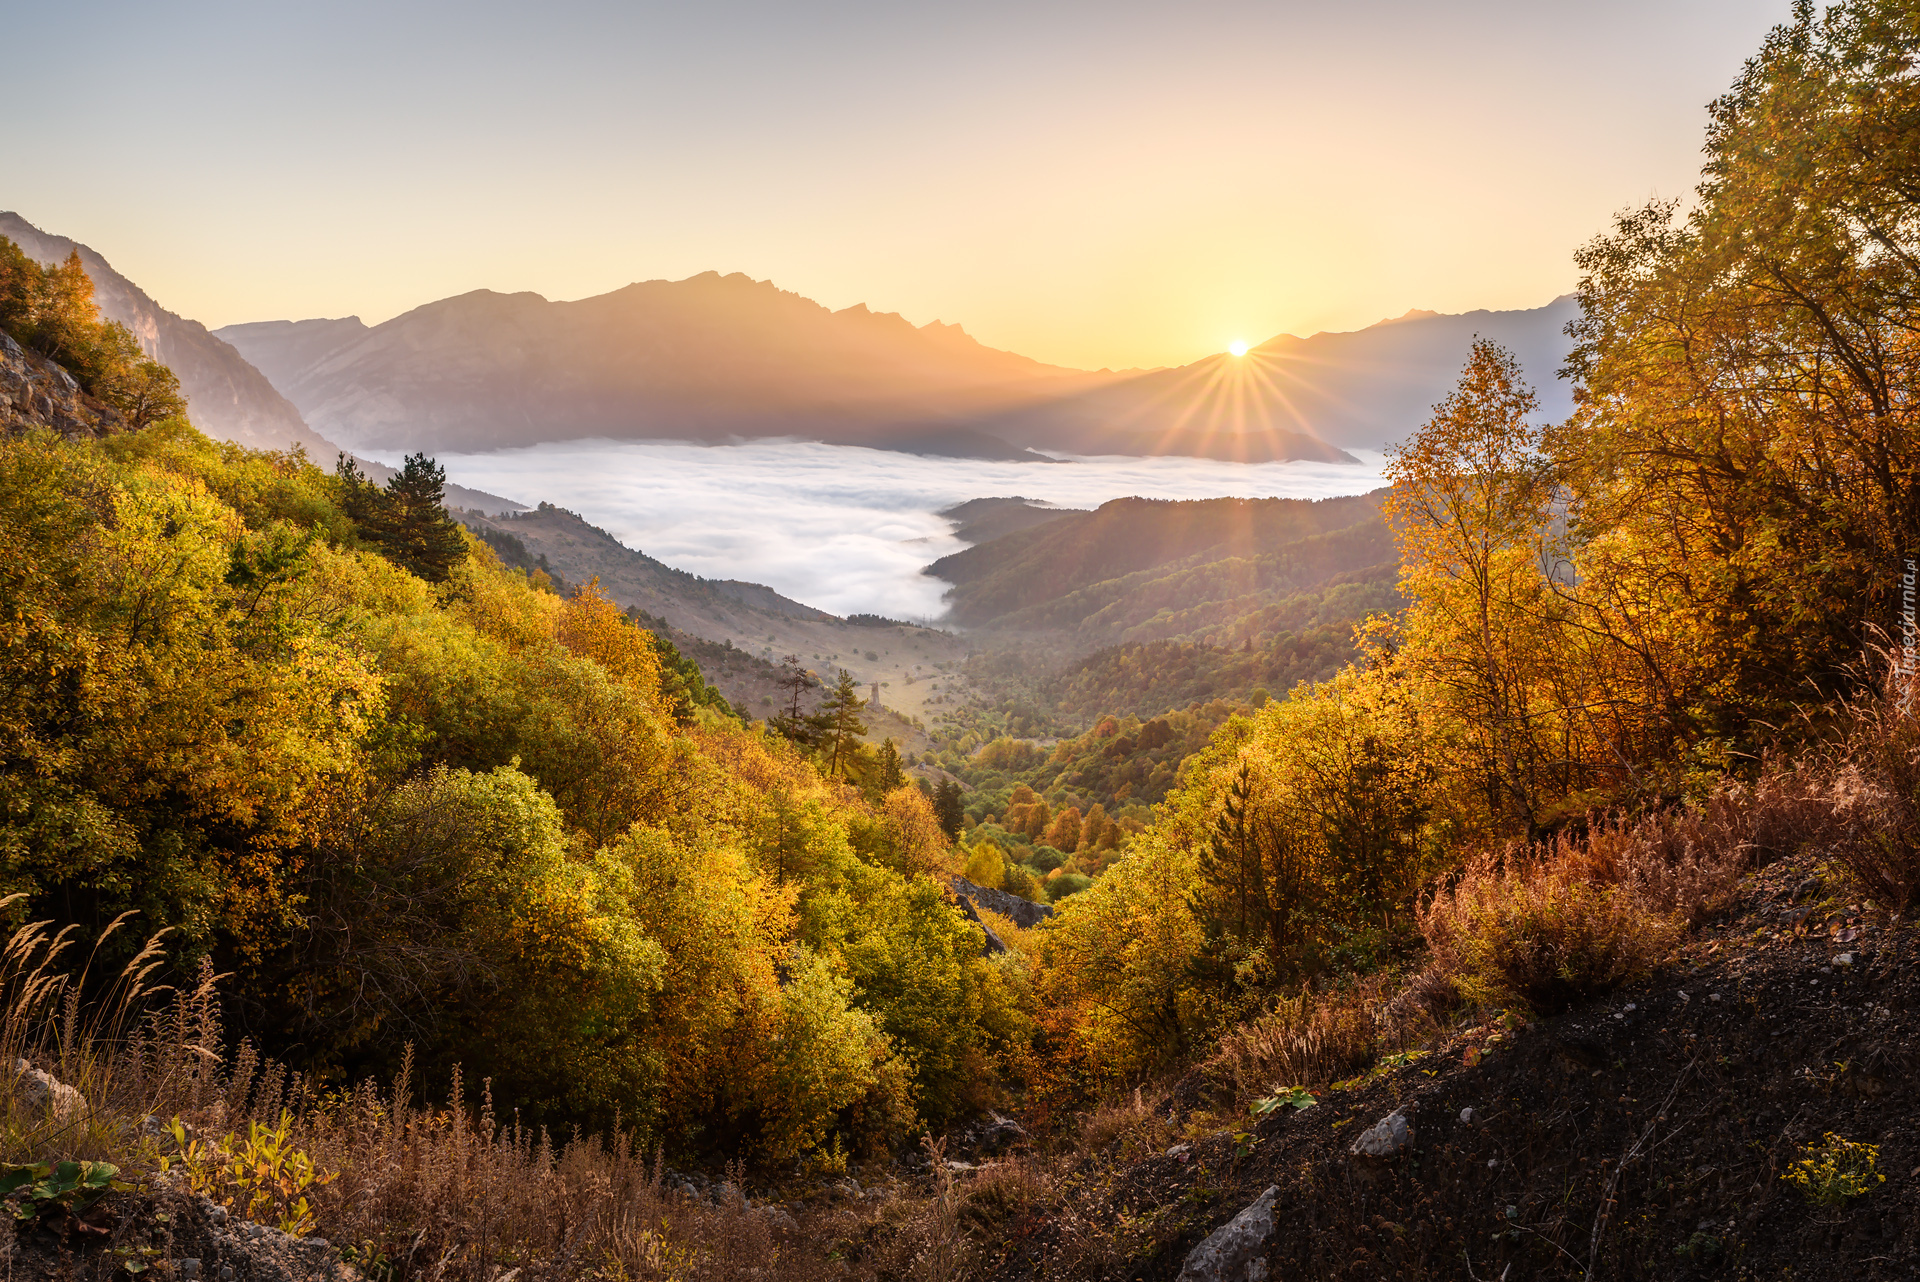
{"points": [[838, 527]]}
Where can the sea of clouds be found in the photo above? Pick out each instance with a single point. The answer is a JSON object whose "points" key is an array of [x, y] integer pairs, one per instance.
{"points": [[839, 527]]}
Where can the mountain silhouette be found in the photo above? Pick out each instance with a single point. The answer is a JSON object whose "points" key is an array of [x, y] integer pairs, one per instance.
{"points": [[1363, 389], [707, 358], [714, 358]]}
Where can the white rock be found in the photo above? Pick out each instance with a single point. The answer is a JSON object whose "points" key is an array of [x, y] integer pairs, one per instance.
{"points": [[1391, 1136], [1466, 1115], [43, 1092], [1844, 959], [1237, 1250]]}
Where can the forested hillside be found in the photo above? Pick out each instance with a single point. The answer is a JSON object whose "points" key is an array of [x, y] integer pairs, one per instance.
{"points": [[403, 796], [1565, 931], [1215, 570]]}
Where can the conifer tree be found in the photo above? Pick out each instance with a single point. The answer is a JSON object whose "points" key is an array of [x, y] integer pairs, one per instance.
{"points": [[408, 520], [839, 722], [794, 682], [948, 810], [889, 774]]}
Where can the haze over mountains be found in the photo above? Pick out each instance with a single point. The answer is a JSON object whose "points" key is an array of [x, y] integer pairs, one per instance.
{"points": [[714, 358], [707, 358], [226, 396], [1363, 389]]}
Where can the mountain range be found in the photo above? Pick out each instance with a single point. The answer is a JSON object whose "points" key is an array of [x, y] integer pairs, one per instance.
{"points": [[707, 358], [227, 397], [713, 358], [1362, 389]]}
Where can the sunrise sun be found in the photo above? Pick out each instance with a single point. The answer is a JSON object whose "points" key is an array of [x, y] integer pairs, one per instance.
{"points": [[1238, 347]]}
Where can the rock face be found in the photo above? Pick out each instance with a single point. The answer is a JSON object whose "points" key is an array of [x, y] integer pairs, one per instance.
{"points": [[240, 1251], [1237, 1250], [994, 943], [1021, 912], [35, 392]]}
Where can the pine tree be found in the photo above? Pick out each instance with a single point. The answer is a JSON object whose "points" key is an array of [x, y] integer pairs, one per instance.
{"points": [[1230, 859], [794, 682], [421, 535], [408, 520], [889, 775], [839, 721], [948, 810]]}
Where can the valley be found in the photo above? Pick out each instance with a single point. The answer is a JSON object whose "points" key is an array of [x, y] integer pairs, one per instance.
{"points": [[625, 772]]}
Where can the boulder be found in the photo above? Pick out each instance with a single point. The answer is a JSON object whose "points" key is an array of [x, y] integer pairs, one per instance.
{"points": [[1237, 1250], [998, 1134], [994, 943], [1387, 1138], [44, 1093], [1021, 912]]}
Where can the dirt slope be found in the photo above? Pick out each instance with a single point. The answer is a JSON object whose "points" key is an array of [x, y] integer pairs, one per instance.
{"points": [[1646, 1137]]}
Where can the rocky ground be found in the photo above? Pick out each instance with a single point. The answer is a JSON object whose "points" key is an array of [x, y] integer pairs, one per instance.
{"points": [[1643, 1137], [35, 392], [164, 1234]]}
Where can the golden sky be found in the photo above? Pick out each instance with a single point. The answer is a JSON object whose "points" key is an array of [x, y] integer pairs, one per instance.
{"points": [[1095, 185]]}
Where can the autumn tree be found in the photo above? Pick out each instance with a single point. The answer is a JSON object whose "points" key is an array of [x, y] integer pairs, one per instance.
{"points": [[1744, 461], [51, 310], [1472, 508]]}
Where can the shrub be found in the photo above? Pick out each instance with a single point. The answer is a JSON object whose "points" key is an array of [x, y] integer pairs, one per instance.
{"points": [[1309, 1039], [1870, 786], [1067, 883], [1542, 933]]}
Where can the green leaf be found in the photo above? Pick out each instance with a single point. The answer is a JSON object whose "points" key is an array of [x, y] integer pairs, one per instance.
{"points": [[13, 1176]]}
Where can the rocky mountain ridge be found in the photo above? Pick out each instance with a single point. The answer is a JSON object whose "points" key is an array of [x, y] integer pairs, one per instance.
{"points": [[713, 358]]}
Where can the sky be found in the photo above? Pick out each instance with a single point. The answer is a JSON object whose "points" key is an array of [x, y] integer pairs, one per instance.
{"points": [[843, 529], [1106, 184]]}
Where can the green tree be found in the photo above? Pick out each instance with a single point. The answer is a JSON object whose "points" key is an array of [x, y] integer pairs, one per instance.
{"points": [[408, 520], [840, 724], [948, 810], [794, 682], [887, 773]]}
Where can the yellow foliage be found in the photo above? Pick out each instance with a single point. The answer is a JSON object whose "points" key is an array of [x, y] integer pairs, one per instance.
{"points": [[595, 628]]}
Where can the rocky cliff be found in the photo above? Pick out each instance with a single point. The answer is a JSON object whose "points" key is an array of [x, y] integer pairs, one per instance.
{"points": [[226, 397], [35, 392]]}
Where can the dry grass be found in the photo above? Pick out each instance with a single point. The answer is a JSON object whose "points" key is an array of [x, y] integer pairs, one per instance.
{"points": [[1542, 933], [1859, 803], [1313, 1038], [1125, 1125], [417, 1191]]}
